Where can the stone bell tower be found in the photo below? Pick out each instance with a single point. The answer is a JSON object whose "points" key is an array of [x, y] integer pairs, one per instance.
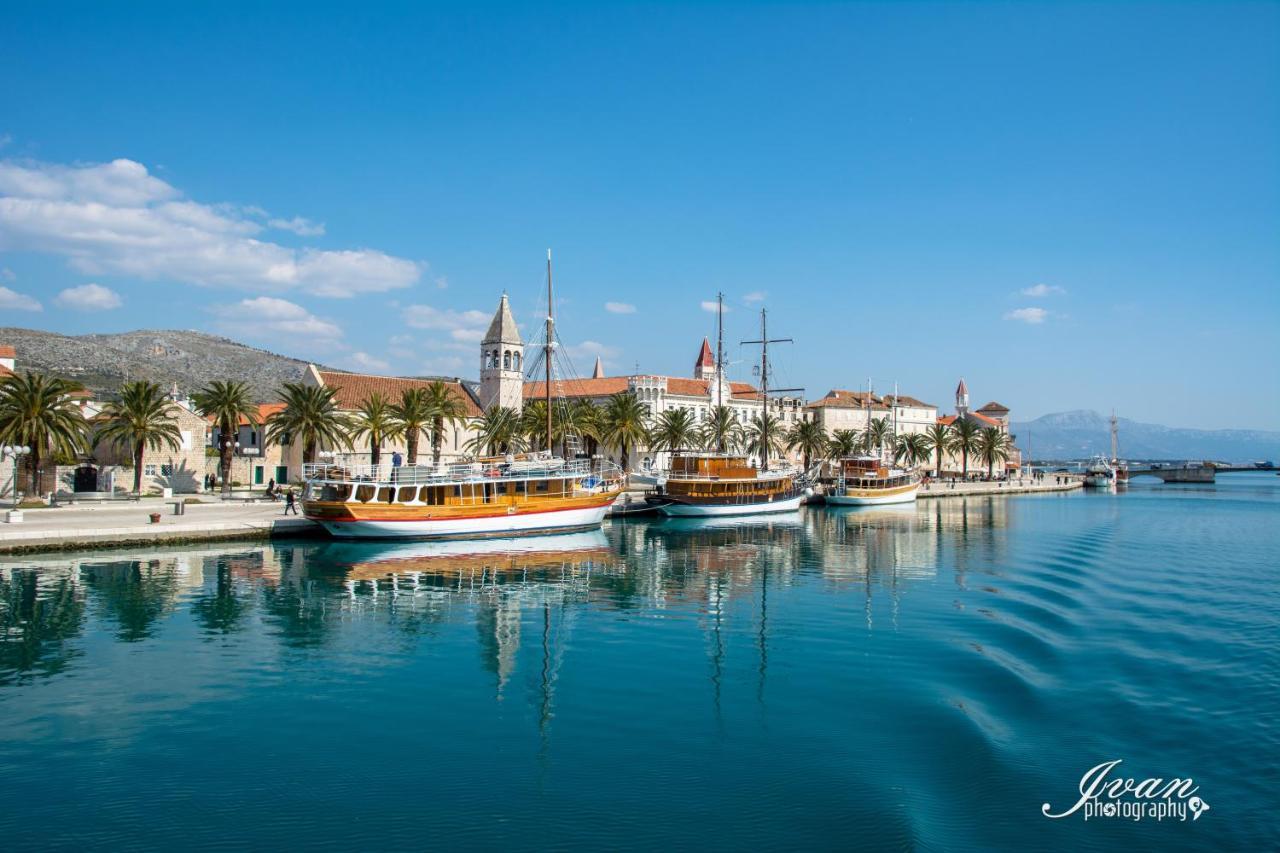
{"points": [[502, 362]]}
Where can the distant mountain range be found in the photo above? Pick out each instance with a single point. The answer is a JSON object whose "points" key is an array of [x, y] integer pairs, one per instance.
{"points": [[191, 359], [1082, 433]]}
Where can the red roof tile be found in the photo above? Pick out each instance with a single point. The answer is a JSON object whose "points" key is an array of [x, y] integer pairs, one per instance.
{"points": [[355, 388], [705, 358], [993, 406], [7, 351], [609, 385]]}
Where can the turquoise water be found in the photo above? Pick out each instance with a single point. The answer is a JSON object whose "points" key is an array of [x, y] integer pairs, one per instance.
{"points": [[892, 678]]}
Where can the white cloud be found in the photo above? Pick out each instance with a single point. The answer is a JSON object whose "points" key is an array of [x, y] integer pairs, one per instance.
{"points": [[1033, 316], [620, 308], [754, 296], [461, 326], [585, 353], [14, 301], [266, 317], [362, 361], [89, 297], [117, 218], [1039, 290], [712, 306], [446, 365], [298, 225]]}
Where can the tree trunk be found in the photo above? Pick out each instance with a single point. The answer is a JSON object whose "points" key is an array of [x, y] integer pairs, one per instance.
{"points": [[35, 471], [939, 471], [964, 468], [413, 446], [437, 437], [137, 469], [226, 449], [309, 451], [375, 451]]}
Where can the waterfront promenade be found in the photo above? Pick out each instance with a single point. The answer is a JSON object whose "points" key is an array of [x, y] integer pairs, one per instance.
{"points": [[947, 489], [129, 523]]}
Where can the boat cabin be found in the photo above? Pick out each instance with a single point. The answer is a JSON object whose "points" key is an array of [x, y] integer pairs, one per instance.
{"points": [[711, 467]]}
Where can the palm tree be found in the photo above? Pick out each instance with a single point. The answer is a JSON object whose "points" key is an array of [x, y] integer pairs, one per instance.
{"points": [[964, 440], [498, 431], [376, 419], [993, 447], [310, 413], [844, 443], [810, 438], [141, 418], [939, 436], [721, 431], [624, 420], [533, 423], [39, 412], [913, 448], [674, 430], [588, 421], [413, 413], [764, 435], [446, 407], [228, 403], [877, 435]]}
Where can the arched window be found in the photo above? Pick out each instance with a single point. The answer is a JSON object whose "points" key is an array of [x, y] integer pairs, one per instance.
{"points": [[488, 360], [515, 360], [506, 360]]}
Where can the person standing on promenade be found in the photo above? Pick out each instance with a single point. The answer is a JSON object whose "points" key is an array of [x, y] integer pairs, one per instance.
{"points": [[289, 503]]}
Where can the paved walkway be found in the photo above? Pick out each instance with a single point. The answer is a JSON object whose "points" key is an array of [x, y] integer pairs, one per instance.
{"points": [[121, 523]]}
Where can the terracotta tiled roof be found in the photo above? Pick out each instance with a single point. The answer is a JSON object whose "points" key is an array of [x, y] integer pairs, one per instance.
{"points": [[603, 387], [984, 419], [609, 385], [7, 351], [705, 359], [993, 406], [4, 371], [355, 388], [904, 400], [841, 399], [948, 420]]}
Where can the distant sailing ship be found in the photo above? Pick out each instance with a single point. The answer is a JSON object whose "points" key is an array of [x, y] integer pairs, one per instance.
{"points": [[494, 496], [718, 483]]}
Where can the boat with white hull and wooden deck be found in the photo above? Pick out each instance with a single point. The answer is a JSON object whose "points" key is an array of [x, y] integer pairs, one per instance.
{"points": [[490, 497], [866, 481], [707, 485]]}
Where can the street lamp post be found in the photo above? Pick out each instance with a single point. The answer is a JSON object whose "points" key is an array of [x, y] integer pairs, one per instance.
{"points": [[14, 452]]}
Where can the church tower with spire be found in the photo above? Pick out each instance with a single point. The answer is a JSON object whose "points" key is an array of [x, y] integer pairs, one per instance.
{"points": [[502, 362], [962, 398]]}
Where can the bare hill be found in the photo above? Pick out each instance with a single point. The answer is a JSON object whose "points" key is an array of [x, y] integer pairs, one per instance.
{"points": [[190, 359]]}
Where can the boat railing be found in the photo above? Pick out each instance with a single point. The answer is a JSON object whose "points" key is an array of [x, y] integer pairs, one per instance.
{"points": [[487, 470], [771, 474]]}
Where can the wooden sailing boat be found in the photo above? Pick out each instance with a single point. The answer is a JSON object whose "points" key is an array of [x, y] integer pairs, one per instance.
{"points": [[491, 496], [719, 483]]}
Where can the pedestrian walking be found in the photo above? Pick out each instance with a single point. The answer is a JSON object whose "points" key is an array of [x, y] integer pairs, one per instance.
{"points": [[289, 503]]}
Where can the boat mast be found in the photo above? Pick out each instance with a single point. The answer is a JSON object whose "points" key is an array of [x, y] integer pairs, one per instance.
{"points": [[720, 361], [1115, 438], [764, 342], [546, 354]]}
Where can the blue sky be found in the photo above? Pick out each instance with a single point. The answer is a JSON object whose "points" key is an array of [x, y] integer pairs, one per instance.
{"points": [[1070, 205]]}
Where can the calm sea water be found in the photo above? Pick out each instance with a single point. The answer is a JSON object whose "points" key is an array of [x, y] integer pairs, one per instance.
{"points": [[894, 678]]}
